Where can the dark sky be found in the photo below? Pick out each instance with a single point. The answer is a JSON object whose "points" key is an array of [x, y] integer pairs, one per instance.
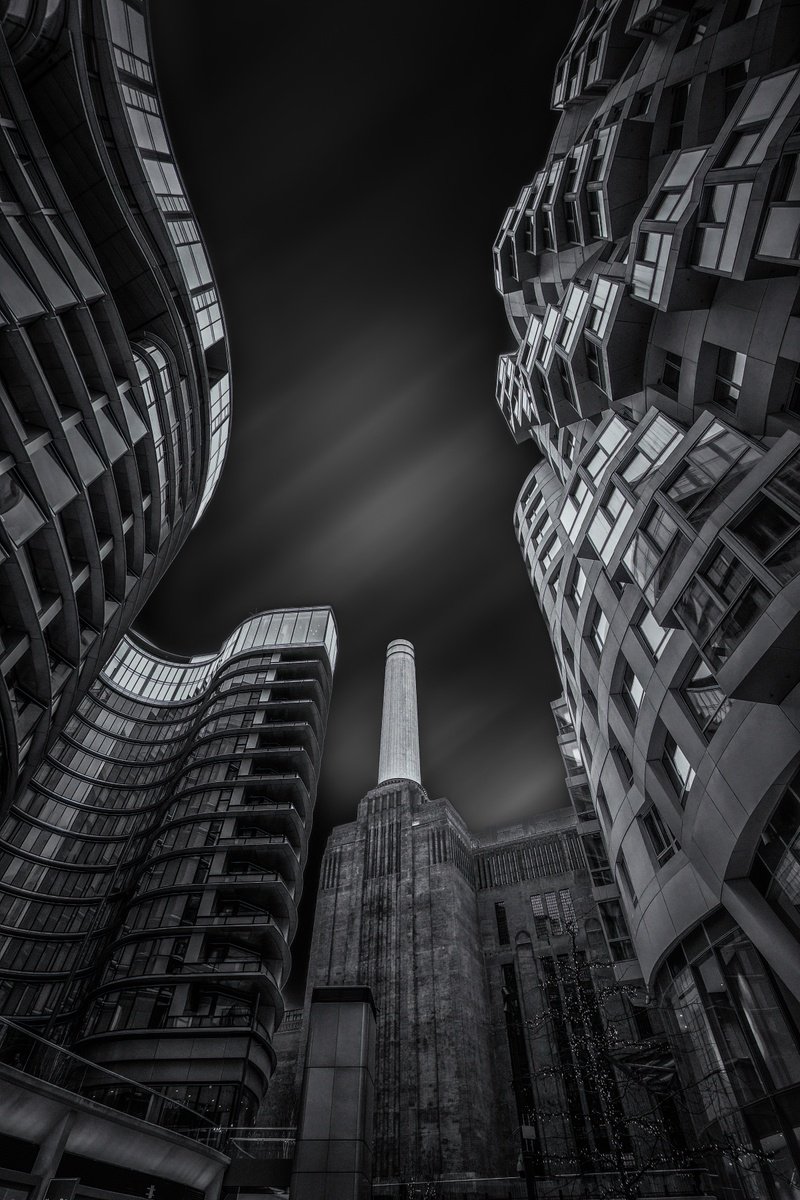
{"points": [[349, 165]]}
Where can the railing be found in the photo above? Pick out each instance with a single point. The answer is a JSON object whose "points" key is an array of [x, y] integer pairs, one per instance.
{"points": [[216, 966], [253, 1142], [237, 873], [26, 1051], [239, 1020], [686, 1184], [243, 918]]}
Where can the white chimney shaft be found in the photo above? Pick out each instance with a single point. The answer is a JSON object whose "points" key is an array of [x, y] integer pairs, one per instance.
{"points": [[399, 758]]}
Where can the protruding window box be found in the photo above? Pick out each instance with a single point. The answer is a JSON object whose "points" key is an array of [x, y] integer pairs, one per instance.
{"points": [[660, 271], [737, 589], [748, 220], [624, 175], [650, 18]]}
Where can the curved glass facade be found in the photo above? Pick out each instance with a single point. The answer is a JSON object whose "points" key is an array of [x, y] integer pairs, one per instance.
{"points": [[114, 375], [660, 527], [150, 873]]}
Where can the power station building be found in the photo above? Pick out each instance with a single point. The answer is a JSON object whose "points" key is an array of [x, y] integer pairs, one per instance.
{"points": [[478, 949], [650, 276]]}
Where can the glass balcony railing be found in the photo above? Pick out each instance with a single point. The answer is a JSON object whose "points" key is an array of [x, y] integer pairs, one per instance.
{"points": [[36, 1056]]}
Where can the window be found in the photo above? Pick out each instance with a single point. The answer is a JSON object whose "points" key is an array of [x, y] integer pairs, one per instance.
{"points": [[582, 802], [589, 699], [605, 447], [776, 869], [597, 218], [600, 306], [624, 875], [566, 379], [573, 170], [598, 628], [575, 507], [641, 104], [599, 154], [677, 116], [572, 221], [631, 690], [728, 381], [708, 703], [549, 553], [678, 768], [209, 317], [567, 446], [148, 128], [593, 58], [608, 524], [540, 921], [650, 267], [671, 373], [596, 859], [654, 552], [573, 762], [574, 306], [577, 586], [548, 196], [566, 653], [654, 637], [652, 448], [662, 841], [624, 765], [711, 471], [553, 912], [602, 806], [721, 224], [720, 604], [502, 923], [769, 103], [771, 529], [676, 190], [780, 237], [594, 364], [616, 930]]}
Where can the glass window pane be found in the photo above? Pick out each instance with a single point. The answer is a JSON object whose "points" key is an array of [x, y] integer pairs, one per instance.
{"points": [[779, 239], [765, 98], [764, 526]]}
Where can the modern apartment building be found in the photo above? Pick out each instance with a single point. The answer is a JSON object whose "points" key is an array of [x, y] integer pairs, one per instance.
{"points": [[154, 811], [114, 374], [151, 870], [650, 277]]}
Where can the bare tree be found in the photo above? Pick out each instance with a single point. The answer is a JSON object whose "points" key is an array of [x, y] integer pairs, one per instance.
{"points": [[609, 1110]]}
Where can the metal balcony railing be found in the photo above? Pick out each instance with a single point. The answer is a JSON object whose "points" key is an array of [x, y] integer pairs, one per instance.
{"points": [[256, 1142]]}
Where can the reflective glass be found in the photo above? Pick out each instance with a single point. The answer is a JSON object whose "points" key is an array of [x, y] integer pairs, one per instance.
{"points": [[779, 239], [765, 98], [765, 526]]}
